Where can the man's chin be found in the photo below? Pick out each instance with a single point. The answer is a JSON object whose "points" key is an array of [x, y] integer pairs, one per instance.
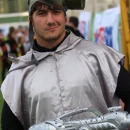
{"points": [[51, 38]]}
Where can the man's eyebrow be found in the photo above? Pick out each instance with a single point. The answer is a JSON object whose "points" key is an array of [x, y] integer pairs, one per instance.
{"points": [[55, 8], [41, 10]]}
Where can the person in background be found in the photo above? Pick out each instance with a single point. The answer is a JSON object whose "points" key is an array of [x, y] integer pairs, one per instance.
{"points": [[11, 40], [19, 32], [74, 22], [26, 44], [20, 47], [1, 35], [4, 56], [61, 73]]}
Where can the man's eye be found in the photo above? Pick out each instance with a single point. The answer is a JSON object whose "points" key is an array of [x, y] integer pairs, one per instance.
{"points": [[56, 12], [41, 13]]}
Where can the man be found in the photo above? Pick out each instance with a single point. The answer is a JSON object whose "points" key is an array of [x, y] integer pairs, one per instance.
{"points": [[61, 73], [74, 22]]}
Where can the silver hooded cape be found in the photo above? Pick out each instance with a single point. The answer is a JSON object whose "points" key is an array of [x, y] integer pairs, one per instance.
{"points": [[78, 74]]}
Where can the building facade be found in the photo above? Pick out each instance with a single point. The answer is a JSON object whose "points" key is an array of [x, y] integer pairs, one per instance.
{"points": [[13, 6], [16, 11]]}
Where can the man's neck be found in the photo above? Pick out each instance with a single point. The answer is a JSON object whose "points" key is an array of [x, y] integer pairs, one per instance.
{"points": [[50, 44], [39, 48]]}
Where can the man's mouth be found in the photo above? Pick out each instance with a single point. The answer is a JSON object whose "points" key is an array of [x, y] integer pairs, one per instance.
{"points": [[51, 28]]}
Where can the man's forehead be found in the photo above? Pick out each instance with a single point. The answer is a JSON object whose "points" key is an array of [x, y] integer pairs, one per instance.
{"points": [[48, 7]]}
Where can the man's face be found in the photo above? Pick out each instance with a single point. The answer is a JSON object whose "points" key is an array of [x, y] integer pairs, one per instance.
{"points": [[49, 24]]}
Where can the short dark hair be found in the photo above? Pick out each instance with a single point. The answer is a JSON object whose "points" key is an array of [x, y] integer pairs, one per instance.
{"points": [[34, 8], [74, 20]]}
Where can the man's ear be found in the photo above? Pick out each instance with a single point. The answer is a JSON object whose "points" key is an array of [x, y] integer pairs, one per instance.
{"points": [[66, 19], [30, 20]]}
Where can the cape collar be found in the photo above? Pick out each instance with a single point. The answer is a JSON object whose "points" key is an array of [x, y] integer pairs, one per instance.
{"points": [[23, 61]]}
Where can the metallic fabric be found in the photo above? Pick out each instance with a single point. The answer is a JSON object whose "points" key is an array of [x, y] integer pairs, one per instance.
{"points": [[78, 74]]}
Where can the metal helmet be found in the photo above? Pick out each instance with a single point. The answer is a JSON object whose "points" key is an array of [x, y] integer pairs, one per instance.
{"points": [[55, 3], [64, 4]]}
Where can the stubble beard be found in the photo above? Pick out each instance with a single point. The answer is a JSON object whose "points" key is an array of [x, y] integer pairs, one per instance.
{"points": [[51, 38]]}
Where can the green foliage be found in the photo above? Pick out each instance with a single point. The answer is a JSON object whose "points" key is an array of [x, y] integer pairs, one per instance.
{"points": [[13, 19]]}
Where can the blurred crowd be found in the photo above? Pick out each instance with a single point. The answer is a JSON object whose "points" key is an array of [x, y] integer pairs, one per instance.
{"points": [[16, 42]]}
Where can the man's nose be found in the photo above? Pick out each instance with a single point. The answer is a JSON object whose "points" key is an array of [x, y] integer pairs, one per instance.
{"points": [[50, 19]]}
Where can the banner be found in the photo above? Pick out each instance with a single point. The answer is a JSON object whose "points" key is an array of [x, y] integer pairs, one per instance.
{"points": [[105, 28], [85, 24]]}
